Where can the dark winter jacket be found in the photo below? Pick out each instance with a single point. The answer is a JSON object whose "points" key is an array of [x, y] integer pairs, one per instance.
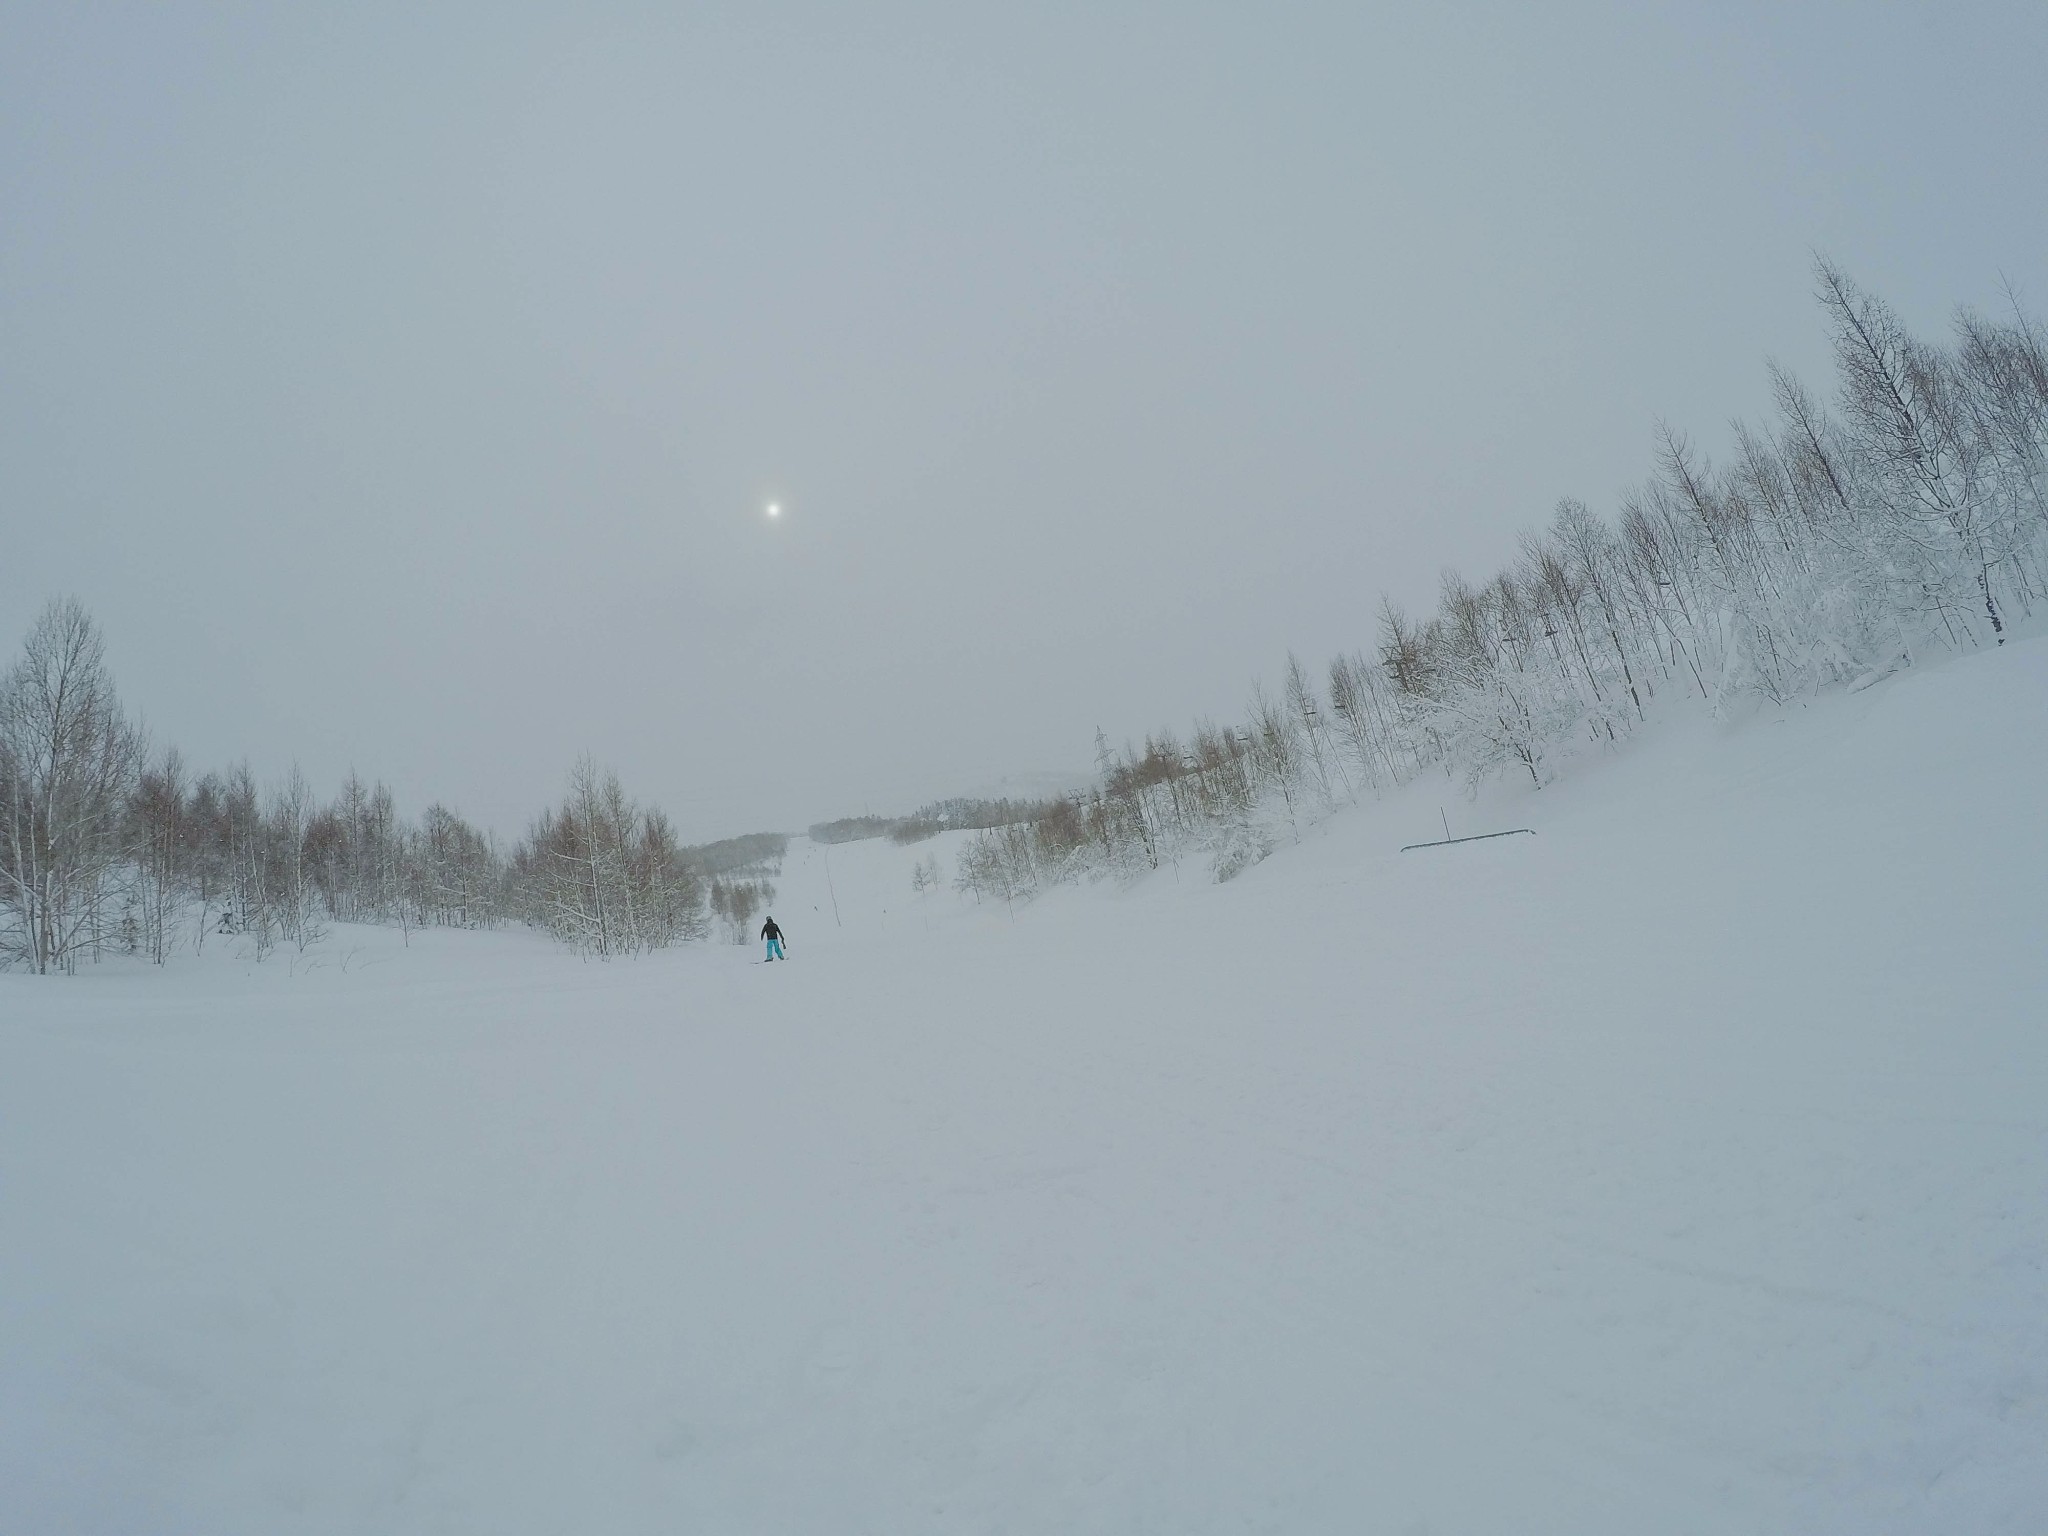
{"points": [[770, 931]]}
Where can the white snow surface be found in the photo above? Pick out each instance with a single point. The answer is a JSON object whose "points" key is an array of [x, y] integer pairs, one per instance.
{"points": [[1682, 1168]]}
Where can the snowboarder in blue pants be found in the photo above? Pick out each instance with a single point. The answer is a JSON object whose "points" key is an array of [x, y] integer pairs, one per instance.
{"points": [[773, 935]]}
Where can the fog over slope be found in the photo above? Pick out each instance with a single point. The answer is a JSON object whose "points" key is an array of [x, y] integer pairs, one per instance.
{"points": [[403, 386]]}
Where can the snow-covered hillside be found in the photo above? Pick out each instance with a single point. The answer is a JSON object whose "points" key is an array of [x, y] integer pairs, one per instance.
{"points": [[1682, 1168]]}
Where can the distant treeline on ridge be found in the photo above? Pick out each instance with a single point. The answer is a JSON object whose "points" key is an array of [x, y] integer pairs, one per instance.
{"points": [[961, 813]]}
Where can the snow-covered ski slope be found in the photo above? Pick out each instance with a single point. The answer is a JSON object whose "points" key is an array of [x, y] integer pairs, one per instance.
{"points": [[1683, 1168]]}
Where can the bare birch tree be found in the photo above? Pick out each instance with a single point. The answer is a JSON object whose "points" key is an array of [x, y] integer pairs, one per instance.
{"points": [[68, 761]]}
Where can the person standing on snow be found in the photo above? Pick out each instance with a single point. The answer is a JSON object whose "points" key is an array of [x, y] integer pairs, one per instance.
{"points": [[773, 935]]}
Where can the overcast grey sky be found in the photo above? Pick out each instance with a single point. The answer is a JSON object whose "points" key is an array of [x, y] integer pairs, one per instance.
{"points": [[401, 386]]}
